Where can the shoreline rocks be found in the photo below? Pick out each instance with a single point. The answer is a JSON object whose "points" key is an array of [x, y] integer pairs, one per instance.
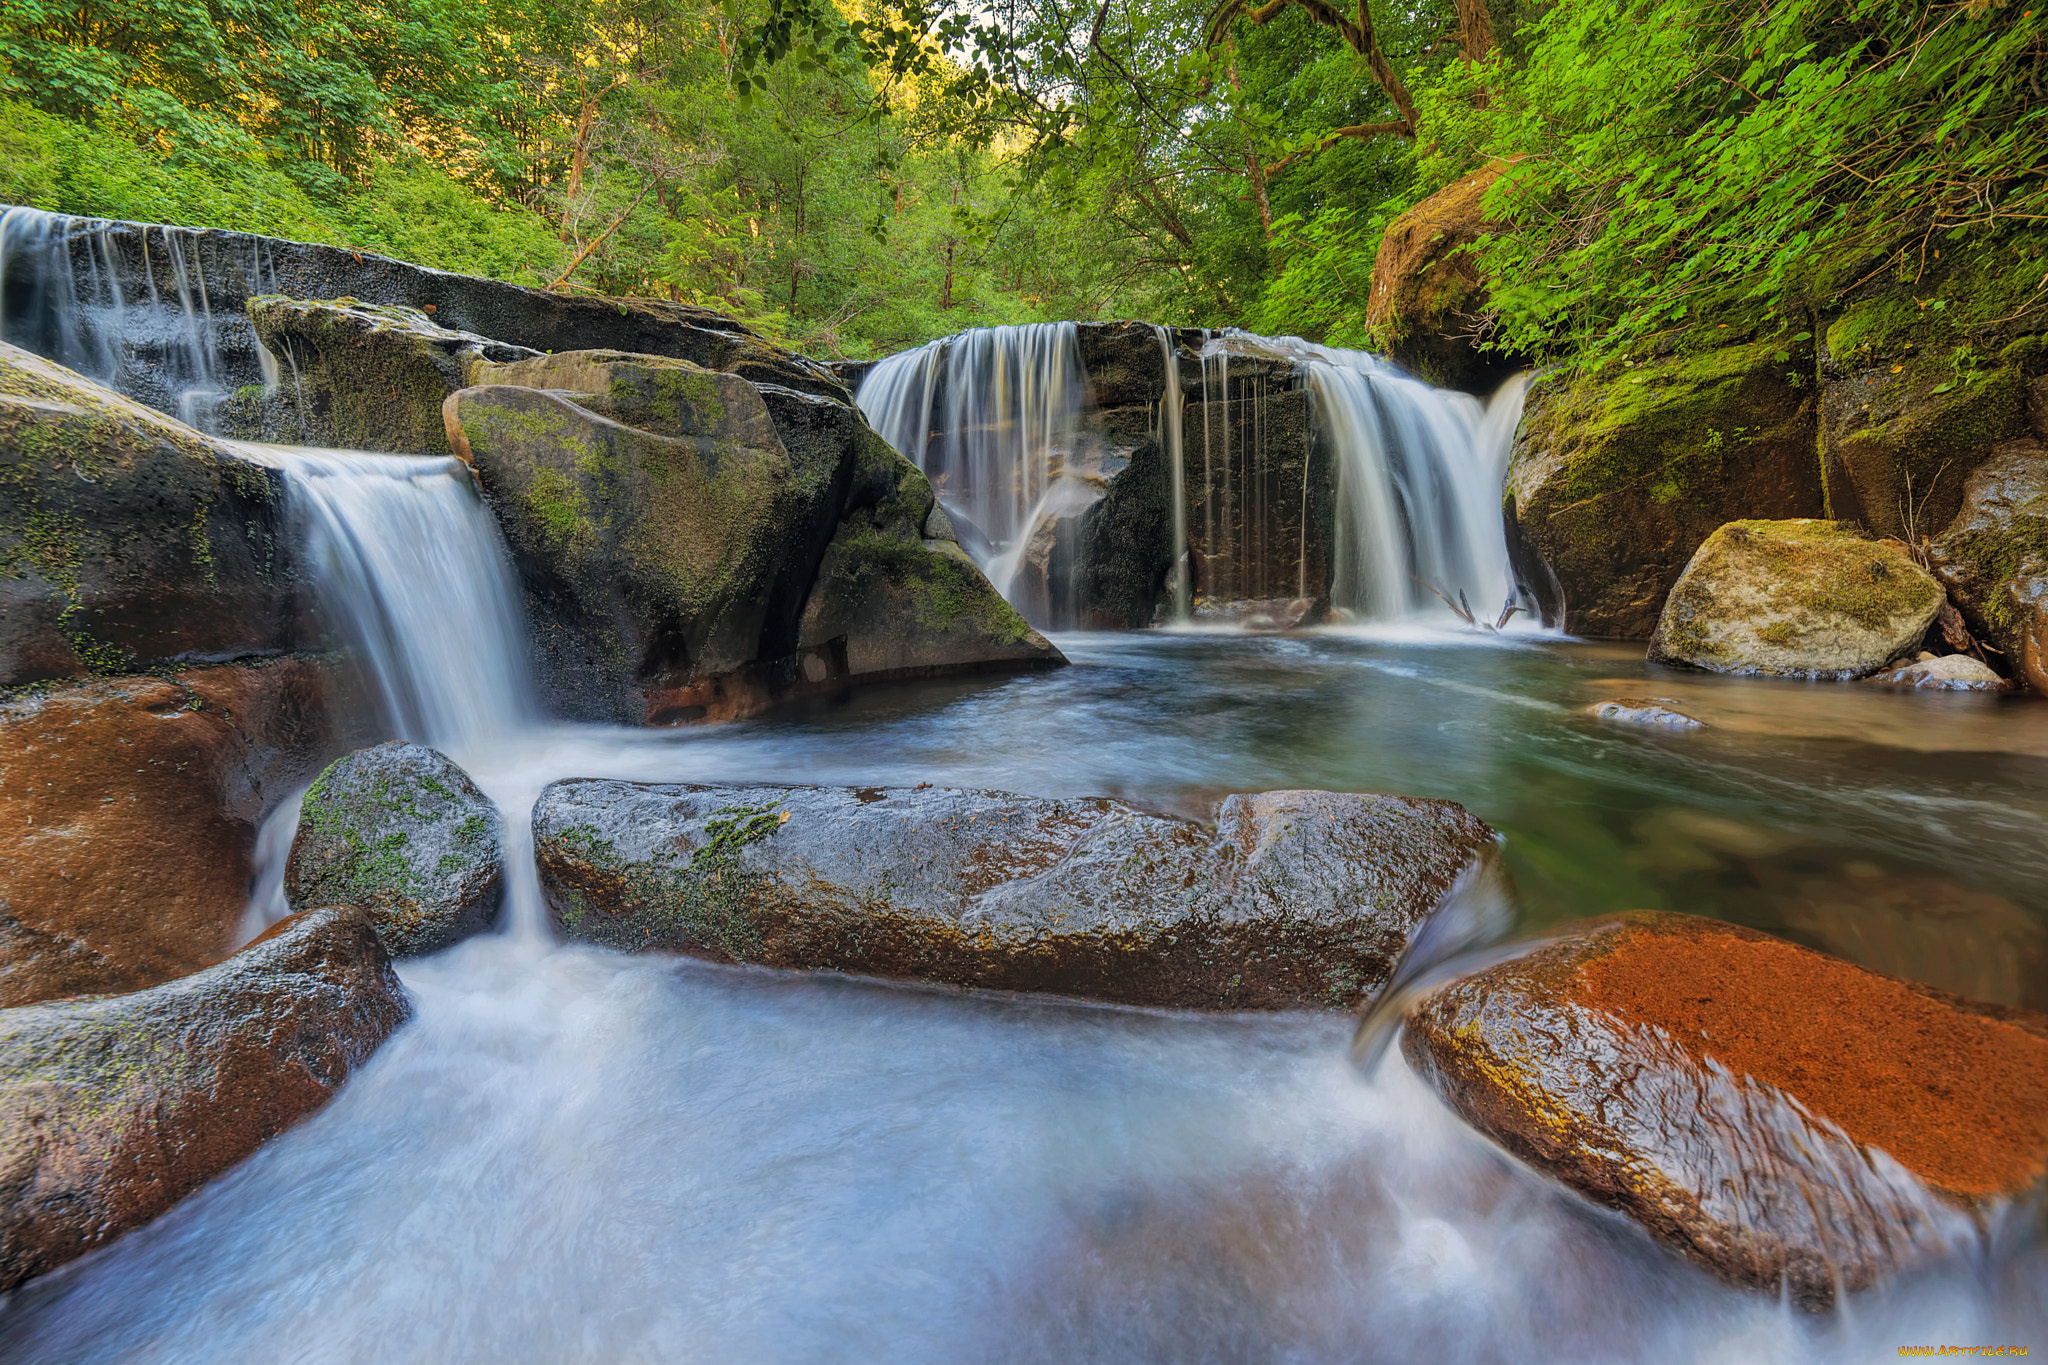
{"points": [[114, 1108], [1798, 599], [1994, 557], [403, 834], [1295, 900], [1771, 1113]]}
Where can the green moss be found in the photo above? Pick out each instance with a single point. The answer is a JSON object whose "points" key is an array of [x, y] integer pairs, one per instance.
{"points": [[705, 898], [560, 508]]}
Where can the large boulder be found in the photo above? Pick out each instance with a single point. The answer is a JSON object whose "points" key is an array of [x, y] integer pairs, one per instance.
{"points": [[128, 540], [367, 376], [1774, 1114], [1796, 599], [403, 834], [114, 1108], [1618, 477], [1295, 899], [1994, 557], [128, 817], [1428, 310]]}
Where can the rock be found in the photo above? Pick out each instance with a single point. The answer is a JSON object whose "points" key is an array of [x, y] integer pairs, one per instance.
{"points": [[1994, 558], [128, 818], [1652, 711], [1262, 615], [114, 1108], [403, 834], [1428, 311], [1295, 899], [367, 376], [1617, 478], [1799, 599], [891, 604], [1772, 1113], [1261, 493], [128, 540], [1948, 673]]}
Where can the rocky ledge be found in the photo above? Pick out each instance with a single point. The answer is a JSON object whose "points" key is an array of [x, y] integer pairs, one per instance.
{"points": [[1294, 899], [1775, 1114], [113, 1108]]}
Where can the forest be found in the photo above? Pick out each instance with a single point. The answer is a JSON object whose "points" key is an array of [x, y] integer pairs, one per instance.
{"points": [[851, 180]]}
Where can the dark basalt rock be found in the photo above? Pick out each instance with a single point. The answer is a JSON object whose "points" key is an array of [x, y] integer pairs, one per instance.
{"points": [[1295, 899], [112, 1109], [1772, 1113], [128, 817], [130, 541], [403, 834]]}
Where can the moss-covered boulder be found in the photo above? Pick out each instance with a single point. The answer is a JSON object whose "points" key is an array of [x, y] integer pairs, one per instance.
{"points": [[1781, 1117], [404, 834], [892, 602], [369, 376], [1619, 475], [1428, 309], [1294, 899], [128, 817], [128, 540], [1924, 378], [1796, 599], [112, 1109], [1994, 557]]}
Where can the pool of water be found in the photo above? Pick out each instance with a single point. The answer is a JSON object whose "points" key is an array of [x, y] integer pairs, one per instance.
{"points": [[570, 1156]]}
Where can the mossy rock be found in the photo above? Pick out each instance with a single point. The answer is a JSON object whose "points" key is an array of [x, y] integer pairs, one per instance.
{"points": [[1800, 599], [1429, 304], [367, 376], [1994, 558], [404, 834], [129, 541], [1618, 475]]}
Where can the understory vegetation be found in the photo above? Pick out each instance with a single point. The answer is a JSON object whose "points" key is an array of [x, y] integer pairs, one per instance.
{"points": [[855, 176]]}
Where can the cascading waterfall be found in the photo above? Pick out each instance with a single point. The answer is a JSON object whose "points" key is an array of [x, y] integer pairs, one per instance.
{"points": [[61, 296], [990, 417], [1171, 402]]}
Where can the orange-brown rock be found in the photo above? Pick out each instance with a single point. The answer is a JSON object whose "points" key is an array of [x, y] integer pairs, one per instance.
{"points": [[113, 1109], [1773, 1113], [128, 815], [1428, 308]]}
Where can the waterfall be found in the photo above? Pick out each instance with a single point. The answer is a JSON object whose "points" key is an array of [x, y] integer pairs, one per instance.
{"points": [[62, 296], [1171, 401], [990, 417], [410, 569]]}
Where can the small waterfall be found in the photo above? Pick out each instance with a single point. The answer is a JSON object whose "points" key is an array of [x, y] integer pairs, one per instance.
{"points": [[410, 568], [1171, 401], [990, 417], [62, 296]]}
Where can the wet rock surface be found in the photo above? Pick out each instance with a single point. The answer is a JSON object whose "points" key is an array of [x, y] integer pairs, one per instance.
{"points": [[1993, 558], [1617, 478], [1942, 673], [113, 1109], [128, 817], [401, 833], [1774, 1114], [1656, 712], [1802, 599], [129, 540], [1295, 899]]}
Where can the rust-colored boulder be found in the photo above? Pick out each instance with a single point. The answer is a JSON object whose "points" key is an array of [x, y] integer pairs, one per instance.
{"points": [[1773, 1113], [128, 815], [113, 1109], [1295, 899], [1428, 309]]}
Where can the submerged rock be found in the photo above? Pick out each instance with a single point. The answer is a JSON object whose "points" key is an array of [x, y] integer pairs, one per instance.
{"points": [[1774, 1114], [403, 834], [1994, 557], [1946, 673], [1428, 310], [1295, 899], [1653, 711], [129, 540], [113, 1109], [1618, 477], [1801, 599], [128, 817]]}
